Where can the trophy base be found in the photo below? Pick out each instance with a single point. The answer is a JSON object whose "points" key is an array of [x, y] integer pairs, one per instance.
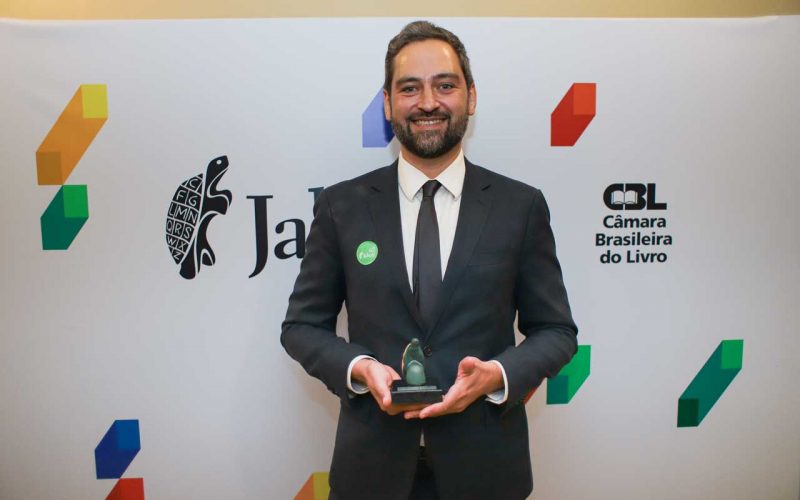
{"points": [[403, 394]]}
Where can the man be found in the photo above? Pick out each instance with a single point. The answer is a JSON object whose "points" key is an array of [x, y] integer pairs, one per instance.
{"points": [[436, 248]]}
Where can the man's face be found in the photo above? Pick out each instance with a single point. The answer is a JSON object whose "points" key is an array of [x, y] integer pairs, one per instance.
{"points": [[430, 103]]}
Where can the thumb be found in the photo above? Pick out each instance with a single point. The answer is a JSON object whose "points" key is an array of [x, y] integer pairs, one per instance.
{"points": [[386, 396], [382, 389]]}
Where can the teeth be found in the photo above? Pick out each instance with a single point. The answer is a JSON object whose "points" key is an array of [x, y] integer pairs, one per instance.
{"points": [[428, 122]]}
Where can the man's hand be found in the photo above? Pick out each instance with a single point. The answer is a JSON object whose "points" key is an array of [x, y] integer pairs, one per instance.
{"points": [[475, 379], [378, 379]]}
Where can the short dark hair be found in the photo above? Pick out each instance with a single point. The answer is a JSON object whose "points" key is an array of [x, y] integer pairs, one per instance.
{"points": [[419, 31]]}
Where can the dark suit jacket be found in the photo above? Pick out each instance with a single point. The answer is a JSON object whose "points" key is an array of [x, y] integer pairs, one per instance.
{"points": [[503, 263]]}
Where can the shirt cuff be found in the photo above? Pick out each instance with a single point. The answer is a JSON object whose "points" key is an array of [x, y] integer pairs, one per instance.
{"points": [[358, 387], [499, 396]]}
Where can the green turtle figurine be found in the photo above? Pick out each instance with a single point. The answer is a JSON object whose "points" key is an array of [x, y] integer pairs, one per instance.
{"points": [[414, 364], [415, 387]]}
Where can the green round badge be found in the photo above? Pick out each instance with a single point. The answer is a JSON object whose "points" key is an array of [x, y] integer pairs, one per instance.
{"points": [[366, 253]]}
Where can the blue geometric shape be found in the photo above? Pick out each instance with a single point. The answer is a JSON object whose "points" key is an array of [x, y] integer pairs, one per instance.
{"points": [[117, 449], [376, 130]]}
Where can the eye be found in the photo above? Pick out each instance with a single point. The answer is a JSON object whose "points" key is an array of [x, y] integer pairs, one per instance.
{"points": [[408, 89]]}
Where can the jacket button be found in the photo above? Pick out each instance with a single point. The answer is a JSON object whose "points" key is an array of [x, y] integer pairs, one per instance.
{"points": [[427, 351]]}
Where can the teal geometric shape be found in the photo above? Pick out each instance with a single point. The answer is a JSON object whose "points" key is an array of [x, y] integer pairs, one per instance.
{"points": [[64, 217], [563, 386], [710, 382]]}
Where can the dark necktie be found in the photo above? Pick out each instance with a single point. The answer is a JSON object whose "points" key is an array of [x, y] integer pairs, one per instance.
{"points": [[427, 258]]}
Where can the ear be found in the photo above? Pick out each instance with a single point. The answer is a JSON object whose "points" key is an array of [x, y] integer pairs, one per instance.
{"points": [[387, 105], [472, 99]]}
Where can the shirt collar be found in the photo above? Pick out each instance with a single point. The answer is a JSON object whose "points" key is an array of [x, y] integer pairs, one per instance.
{"points": [[411, 179]]}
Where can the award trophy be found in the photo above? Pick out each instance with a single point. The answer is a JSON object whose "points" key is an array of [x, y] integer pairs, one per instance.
{"points": [[414, 387]]}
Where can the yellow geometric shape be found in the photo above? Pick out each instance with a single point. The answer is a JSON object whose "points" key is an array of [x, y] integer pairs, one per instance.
{"points": [[95, 100], [71, 134], [315, 488]]}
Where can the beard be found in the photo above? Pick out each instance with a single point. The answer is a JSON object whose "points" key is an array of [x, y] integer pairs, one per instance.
{"points": [[431, 143]]}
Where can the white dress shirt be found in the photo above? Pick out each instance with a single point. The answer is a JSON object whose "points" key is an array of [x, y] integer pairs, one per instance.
{"points": [[447, 202]]}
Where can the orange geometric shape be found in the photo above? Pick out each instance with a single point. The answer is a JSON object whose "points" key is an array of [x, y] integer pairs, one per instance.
{"points": [[573, 114], [315, 488], [71, 134], [128, 489]]}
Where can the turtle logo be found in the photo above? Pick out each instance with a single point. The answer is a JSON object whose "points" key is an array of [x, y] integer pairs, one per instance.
{"points": [[194, 204]]}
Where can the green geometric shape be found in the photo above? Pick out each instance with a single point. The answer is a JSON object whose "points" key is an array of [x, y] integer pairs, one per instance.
{"points": [[732, 354], [710, 382], [64, 217], [563, 386]]}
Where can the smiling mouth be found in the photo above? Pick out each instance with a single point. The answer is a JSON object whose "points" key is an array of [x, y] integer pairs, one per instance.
{"points": [[428, 121]]}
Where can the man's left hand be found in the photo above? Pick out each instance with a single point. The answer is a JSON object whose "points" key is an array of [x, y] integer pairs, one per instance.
{"points": [[475, 379]]}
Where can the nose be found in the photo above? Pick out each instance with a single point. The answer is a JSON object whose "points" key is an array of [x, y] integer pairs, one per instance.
{"points": [[427, 100]]}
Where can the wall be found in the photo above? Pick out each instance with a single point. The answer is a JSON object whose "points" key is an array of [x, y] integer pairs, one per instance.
{"points": [[181, 9], [108, 329]]}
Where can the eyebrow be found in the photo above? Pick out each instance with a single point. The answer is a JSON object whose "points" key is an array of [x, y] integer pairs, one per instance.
{"points": [[415, 79]]}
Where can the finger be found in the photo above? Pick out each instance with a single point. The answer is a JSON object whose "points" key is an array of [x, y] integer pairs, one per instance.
{"points": [[448, 405], [392, 372], [411, 414], [387, 397], [435, 410], [379, 400], [389, 379], [383, 394], [387, 388]]}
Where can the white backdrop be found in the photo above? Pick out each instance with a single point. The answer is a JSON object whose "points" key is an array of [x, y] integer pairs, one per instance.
{"points": [[706, 109]]}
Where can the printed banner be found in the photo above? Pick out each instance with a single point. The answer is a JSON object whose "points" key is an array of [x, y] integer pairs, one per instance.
{"points": [[158, 185]]}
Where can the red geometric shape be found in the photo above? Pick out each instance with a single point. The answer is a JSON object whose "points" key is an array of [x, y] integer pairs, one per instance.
{"points": [[573, 114], [128, 489], [306, 492]]}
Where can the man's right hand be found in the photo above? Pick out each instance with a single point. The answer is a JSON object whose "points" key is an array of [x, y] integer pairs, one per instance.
{"points": [[378, 379]]}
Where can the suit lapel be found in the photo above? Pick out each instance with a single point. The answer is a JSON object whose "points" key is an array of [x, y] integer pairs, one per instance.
{"points": [[384, 205], [475, 205]]}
